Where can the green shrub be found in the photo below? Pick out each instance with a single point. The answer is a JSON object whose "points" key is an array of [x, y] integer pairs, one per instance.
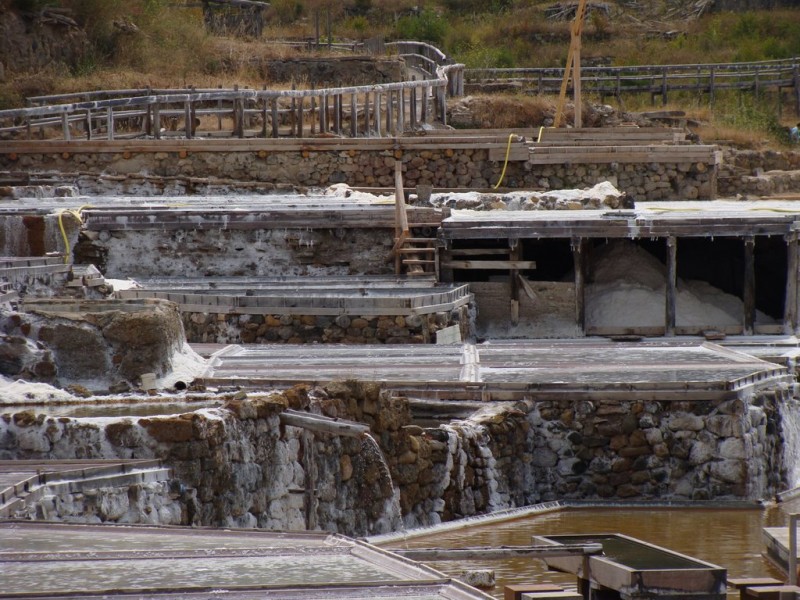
{"points": [[427, 27]]}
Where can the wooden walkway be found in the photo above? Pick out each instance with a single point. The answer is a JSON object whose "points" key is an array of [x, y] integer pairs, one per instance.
{"points": [[659, 81]]}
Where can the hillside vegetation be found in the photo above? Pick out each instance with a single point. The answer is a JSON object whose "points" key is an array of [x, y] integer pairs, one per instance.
{"points": [[163, 43]]}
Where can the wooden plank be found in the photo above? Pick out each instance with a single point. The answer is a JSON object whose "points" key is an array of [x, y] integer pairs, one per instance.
{"points": [[580, 261], [490, 264], [494, 552]]}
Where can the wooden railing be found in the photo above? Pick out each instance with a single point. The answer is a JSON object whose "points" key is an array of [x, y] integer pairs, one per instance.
{"points": [[656, 80], [357, 111]]}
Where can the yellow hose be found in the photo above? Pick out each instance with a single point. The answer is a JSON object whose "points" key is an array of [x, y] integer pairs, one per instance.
{"points": [[75, 213], [505, 164]]}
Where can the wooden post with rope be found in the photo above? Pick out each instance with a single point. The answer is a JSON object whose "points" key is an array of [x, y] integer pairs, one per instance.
{"points": [[573, 67]]}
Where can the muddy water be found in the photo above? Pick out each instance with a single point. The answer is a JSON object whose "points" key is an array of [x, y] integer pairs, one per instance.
{"points": [[730, 538]]}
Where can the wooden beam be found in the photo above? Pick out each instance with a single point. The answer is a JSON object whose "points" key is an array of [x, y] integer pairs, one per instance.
{"points": [[490, 264], [671, 286], [500, 552]]}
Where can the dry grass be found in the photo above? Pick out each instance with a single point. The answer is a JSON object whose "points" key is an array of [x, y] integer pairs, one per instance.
{"points": [[733, 136], [508, 112]]}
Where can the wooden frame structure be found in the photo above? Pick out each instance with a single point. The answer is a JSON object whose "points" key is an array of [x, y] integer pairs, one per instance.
{"points": [[669, 222]]}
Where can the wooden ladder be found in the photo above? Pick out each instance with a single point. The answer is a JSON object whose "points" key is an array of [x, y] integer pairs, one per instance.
{"points": [[418, 256]]}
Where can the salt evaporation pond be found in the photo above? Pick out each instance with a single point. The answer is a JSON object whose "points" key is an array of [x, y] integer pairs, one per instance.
{"points": [[728, 537]]}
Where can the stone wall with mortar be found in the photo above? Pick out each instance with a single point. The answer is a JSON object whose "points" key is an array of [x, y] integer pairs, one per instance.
{"points": [[249, 470], [245, 467], [445, 168], [759, 173], [228, 253], [157, 503], [93, 344], [227, 328]]}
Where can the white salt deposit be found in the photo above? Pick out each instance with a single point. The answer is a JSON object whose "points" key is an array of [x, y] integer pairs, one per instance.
{"points": [[186, 366], [122, 284], [629, 289], [24, 392]]}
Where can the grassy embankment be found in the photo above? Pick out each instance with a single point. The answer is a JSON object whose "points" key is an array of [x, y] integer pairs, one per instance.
{"points": [[172, 49]]}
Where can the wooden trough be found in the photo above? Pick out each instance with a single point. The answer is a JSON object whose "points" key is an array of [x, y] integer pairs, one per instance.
{"points": [[635, 569]]}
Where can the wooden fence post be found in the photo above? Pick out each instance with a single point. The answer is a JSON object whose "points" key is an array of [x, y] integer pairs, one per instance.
{"points": [[110, 123], [275, 117], [378, 100], [157, 120], [353, 115]]}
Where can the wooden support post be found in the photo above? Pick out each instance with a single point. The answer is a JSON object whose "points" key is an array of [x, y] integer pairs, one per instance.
{"points": [[88, 124], [275, 117], [353, 115], [157, 120], [337, 114], [671, 286], [219, 112], [515, 254], [401, 111], [313, 113], [401, 218], [579, 261], [378, 100], [424, 105], [790, 299], [187, 120], [796, 85], [109, 123], [264, 113], [65, 126], [664, 88], [389, 114], [323, 114], [413, 108], [294, 113], [366, 114], [148, 118], [300, 116], [749, 284]]}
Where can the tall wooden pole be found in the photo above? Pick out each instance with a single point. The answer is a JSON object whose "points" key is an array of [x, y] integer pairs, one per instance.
{"points": [[573, 67]]}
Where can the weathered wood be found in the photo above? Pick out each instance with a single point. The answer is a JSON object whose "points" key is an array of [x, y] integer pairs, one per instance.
{"points": [[353, 115], [580, 262], [671, 286], [274, 110], [515, 254], [790, 298], [322, 424], [499, 552], [490, 264], [749, 285]]}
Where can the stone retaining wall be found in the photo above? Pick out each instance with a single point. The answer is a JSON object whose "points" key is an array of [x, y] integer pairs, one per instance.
{"points": [[147, 504], [227, 328], [446, 168], [759, 173], [249, 470]]}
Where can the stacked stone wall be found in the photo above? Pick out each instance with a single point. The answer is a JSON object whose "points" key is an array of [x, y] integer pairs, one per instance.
{"points": [[227, 328], [447, 168], [249, 470]]}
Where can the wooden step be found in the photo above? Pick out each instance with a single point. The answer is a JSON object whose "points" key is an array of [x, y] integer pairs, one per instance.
{"points": [[416, 250], [418, 261]]}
